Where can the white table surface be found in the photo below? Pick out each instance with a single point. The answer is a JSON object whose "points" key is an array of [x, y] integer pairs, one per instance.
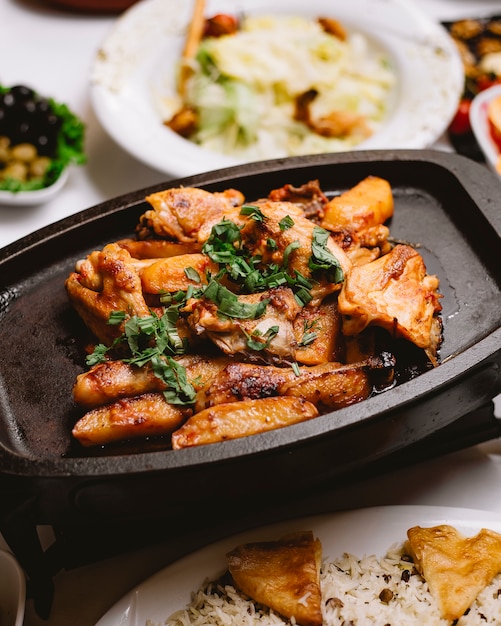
{"points": [[52, 51]]}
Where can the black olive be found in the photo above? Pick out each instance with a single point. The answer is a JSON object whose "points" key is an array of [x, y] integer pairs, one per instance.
{"points": [[45, 145], [3, 121], [21, 92], [7, 100], [43, 108], [28, 107], [52, 121]]}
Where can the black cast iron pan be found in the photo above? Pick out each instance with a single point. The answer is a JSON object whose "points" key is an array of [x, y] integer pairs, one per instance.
{"points": [[445, 203]]}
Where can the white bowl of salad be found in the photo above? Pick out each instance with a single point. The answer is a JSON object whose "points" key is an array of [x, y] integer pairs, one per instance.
{"points": [[195, 86]]}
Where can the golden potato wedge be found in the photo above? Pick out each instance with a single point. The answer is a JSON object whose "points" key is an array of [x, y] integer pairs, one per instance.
{"points": [[240, 419], [367, 204], [317, 330], [169, 275], [142, 416], [333, 385], [112, 380], [157, 248]]}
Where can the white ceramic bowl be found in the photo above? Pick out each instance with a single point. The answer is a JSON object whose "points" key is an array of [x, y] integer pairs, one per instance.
{"points": [[37, 196], [139, 59], [12, 590], [480, 124]]}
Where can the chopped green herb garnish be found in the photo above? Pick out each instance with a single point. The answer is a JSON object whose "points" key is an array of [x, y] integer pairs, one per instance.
{"points": [[192, 274], [260, 341], [322, 258], [116, 317], [230, 306], [254, 212], [309, 335], [153, 340], [286, 223]]}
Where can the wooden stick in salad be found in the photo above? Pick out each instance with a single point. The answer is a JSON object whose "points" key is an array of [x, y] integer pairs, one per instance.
{"points": [[193, 38]]}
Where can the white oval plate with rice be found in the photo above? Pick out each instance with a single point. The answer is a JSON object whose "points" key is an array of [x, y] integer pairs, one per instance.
{"points": [[362, 532], [136, 66]]}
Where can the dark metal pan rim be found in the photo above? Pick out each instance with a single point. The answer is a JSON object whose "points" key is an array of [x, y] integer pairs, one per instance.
{"points": [[454, 163]]}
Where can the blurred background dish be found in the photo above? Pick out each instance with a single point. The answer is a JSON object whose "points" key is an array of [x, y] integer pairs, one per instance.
{"points": [[12, 590], [94, 6], [39, 139], [485, 120], [137, 64], [37, 196]]}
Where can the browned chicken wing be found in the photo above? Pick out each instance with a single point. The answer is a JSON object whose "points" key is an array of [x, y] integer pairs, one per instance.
{"points": [[179, 214], [120, 290], [273, 330], [396, 293]]}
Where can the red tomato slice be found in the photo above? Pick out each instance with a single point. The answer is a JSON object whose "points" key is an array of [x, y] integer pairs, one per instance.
{"points": [[460, 124]]}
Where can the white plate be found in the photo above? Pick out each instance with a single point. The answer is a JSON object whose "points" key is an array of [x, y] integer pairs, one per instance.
{"points": [[37, 196], [170, 589], [139, 57], [12, 590], [480, 124]]}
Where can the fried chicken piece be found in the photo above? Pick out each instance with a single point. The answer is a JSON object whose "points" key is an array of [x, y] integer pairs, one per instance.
{"points": [[309, 197], [120, 290], [257, 234], [283, 575], [184, 122], [146, 415], [396, 293], [232, 334], [185, 214], [241, 419], [221, 24], [456, 568], [333, 27]]}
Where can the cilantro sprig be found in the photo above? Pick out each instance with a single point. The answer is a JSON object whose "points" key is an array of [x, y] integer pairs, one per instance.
{"points": [[322, 258], [152, 340]]}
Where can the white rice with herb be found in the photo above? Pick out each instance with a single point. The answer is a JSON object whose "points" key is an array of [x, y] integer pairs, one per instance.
{"points": [[380, 592]]}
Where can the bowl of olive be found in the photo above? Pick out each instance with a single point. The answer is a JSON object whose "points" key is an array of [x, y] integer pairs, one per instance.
{"points": [[39, 139]]}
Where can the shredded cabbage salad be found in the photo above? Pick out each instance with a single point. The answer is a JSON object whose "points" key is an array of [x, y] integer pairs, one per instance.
{"points": [[245, 86]]}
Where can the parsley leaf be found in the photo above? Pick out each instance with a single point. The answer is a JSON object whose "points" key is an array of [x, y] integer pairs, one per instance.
{"points": [[322, 258], [260, 341], [230, 306], [254, 212], [286, 222], [152, 340]]}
